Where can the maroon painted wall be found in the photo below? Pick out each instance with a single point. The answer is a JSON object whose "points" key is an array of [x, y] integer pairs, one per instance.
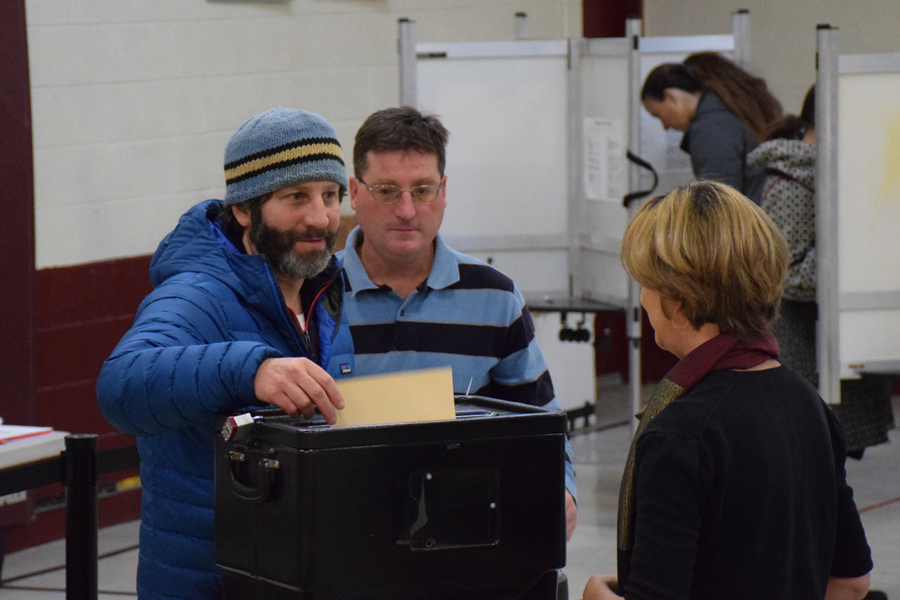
{"points": [[17, 229], [80, 313], [606, 18]]}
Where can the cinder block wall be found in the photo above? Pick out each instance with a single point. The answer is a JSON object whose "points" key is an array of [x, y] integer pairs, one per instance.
{"points": [[133, 101]]}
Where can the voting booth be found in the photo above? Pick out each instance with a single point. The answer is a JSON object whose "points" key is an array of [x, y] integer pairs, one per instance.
{"points": [[512, 109], [469, 508], [858, 213], [537, 168]]}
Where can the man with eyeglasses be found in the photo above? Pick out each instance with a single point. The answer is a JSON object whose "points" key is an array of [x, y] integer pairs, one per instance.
{"points": [[412, 301]]}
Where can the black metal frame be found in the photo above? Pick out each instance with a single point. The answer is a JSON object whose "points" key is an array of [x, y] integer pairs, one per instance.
{"points": [[78, 468]]}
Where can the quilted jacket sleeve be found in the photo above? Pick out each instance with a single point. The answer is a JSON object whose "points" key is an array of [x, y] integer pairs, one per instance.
{"points": [[177, 364]]}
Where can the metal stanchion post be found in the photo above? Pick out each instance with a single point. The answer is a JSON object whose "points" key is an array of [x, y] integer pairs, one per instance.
{"points": [[406, 45], [81, 517]]}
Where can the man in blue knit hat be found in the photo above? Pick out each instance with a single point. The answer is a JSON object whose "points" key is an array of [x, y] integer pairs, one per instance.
{"points": [[246, 306]]}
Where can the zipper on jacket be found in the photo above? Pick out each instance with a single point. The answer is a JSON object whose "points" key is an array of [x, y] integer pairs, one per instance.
{"points": [[305, 343], [310, 313], [304, 348], [308, 342]]}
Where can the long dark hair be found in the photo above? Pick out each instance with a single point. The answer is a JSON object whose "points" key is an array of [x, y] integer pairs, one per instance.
{"points": [[746, 95], [794, 127]]}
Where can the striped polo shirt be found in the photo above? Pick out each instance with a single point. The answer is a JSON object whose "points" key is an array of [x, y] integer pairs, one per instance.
{"points": [[467, 315]]}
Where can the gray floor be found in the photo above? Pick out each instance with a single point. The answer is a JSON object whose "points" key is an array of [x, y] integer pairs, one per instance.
{"points": [[36, 573], [117, 546]]}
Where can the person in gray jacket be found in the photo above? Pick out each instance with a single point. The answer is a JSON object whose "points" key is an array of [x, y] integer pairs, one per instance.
{"points": [[723, 112], [788, 197]]}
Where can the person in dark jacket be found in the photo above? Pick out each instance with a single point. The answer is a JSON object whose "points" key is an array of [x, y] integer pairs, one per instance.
{"points": [[734, 486], [247, 303], [723, 112]]}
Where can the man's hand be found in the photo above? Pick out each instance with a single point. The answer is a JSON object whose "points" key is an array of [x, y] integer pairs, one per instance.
{"points": [[571, 515], [601, 587], [298, 386]]}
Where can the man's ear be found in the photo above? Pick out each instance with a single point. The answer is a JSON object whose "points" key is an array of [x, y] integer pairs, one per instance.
{"points": [[354, 189], [241, 213]]}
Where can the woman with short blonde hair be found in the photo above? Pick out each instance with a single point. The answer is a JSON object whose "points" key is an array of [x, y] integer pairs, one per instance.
{"points": [[705, 246], [734, 486]]}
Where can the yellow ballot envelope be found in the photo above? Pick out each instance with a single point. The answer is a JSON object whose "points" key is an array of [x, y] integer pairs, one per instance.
{"points": [[404, 397]]}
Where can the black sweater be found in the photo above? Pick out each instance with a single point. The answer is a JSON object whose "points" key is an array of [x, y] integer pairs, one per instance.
{"points": [[741, 493]]}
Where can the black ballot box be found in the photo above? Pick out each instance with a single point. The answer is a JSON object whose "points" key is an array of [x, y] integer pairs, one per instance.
{"points": [[471, 508]]}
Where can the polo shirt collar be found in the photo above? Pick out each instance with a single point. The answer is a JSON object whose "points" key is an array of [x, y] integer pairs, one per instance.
{"points": [[444, 270], [353, 268]]}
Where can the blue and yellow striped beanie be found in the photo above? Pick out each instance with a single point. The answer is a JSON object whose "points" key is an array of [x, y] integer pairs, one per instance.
{"points": [[278, 148]]}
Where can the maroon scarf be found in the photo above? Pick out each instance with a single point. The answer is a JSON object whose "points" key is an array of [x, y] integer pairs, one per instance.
{"points": [[722, 352]]}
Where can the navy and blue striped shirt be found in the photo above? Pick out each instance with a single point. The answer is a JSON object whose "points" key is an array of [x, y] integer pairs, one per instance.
{"points": [[467, 315]]}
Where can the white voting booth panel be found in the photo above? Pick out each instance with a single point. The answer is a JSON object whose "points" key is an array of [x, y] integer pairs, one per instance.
{"points": [[505, 107], [869, 211], [536, 168], [599, 132], [535, 159], [571, 364], [514, 112]]}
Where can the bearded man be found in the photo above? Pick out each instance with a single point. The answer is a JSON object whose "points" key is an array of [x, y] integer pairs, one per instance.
{"points": [[247, 303]]}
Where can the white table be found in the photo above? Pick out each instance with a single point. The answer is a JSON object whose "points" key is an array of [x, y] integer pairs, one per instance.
{"points": [[31, 449]]}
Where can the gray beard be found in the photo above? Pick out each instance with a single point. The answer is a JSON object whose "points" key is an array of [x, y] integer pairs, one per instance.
{"points": [[302, 266], [278, 247]]}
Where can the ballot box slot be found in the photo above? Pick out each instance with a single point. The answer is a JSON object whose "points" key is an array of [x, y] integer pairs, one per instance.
{"points": [[476, 413]]}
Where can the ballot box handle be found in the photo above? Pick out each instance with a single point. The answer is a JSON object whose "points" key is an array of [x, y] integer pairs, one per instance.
{"points": [[257, 491]]}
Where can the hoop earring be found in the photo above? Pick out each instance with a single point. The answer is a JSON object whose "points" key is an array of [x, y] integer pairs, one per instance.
{"points": [[680, 326]]}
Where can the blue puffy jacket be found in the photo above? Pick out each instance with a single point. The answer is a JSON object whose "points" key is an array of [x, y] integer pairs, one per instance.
{"points": [[214, 316]]}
